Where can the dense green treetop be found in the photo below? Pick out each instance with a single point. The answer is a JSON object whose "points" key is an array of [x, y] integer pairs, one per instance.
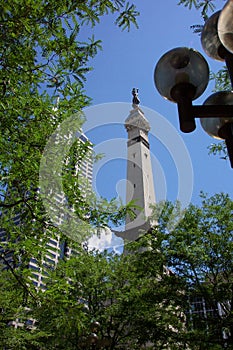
{"points": [[43, 66], [199, 251]]}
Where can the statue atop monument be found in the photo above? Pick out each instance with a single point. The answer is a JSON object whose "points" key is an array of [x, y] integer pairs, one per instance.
{"points": [[136, 118], [136, 100]]}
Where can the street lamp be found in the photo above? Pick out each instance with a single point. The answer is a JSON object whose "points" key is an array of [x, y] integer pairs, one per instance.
{"points": [[182, 74]]}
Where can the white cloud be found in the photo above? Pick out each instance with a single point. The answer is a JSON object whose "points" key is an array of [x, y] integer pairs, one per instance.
{"points": [[106, 239]]}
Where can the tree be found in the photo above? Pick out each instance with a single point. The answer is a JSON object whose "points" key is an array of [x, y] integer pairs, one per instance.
{"points": [[127, 295], [42, 61], [199, 252], [172, 290], [43, 67]]}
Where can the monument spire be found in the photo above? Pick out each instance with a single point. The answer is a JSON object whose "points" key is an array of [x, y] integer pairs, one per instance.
{"points": [[140, 184]]}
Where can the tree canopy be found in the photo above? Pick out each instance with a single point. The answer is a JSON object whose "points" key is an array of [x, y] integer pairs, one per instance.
{"points": [[199, 252], [172, 290], [43, 66]]}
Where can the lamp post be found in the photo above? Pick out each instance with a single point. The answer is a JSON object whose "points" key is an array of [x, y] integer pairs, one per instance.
{"points": [[182, 75]]}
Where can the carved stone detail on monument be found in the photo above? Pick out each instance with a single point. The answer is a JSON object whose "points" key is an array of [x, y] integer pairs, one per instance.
{"points": [[137, 119]]}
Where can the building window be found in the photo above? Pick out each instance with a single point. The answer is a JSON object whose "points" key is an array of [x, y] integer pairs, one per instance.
{"points": [[53, 242], [33, 267]]}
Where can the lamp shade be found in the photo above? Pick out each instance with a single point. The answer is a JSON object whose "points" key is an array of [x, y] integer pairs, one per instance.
{"points": [[225, 26], [181, 65], [214, 126], [209, 37]]}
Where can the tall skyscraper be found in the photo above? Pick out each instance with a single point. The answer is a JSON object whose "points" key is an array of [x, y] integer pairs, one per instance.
{"points": [[57, 248]]}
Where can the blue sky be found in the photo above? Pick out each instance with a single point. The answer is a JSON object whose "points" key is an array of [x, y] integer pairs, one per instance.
{"points": [[128, 60]]}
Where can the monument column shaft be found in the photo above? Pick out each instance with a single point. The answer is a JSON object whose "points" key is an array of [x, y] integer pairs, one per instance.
{"points": [[140, 184]]}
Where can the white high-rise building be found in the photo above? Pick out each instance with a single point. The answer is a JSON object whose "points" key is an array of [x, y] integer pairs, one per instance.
{"points": [[57, 248]]}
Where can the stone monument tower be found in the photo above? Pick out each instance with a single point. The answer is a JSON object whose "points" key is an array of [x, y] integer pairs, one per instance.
{"points": [[140, 184]]}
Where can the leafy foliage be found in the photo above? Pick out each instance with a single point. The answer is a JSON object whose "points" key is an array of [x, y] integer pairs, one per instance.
{"points": [[43, 66], [124, 294], [172, 290], [200, 253], [205, 6], [221, 79]]}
